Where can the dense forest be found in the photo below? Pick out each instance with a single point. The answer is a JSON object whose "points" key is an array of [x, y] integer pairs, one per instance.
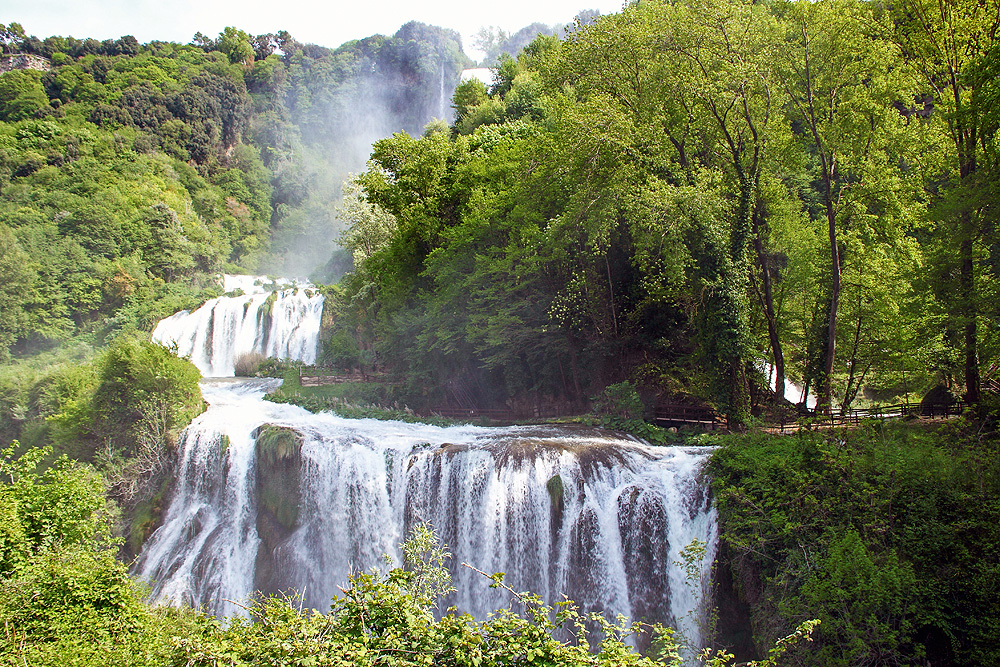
{"points": [[684, 202], [681, 192], [124, 167]]}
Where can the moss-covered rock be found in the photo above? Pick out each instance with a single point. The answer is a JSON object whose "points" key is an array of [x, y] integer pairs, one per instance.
{"points": [[278, 466], [555, 489], [146, 517], [278, 490]]}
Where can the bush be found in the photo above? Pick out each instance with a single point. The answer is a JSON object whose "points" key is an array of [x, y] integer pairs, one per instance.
{"points": [[276, 368], [887, 533], [48, 509], [64, 598], [72, 592], [620, 408], [619, 401], [248, 364], [145, 391]]}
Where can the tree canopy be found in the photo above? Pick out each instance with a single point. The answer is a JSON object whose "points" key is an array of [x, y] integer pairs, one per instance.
{"points": [[687, 194]]}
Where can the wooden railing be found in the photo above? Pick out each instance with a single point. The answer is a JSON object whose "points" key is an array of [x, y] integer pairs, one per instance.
{"points": [[685, 414], [663, 415], [855, 417]]}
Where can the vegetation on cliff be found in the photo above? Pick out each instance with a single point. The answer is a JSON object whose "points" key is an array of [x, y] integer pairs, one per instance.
{"points": [[887, 533], [126, 166]]}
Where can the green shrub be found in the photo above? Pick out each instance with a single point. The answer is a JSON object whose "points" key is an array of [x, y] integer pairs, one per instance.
{"points": [[248, 364], [619, 401], [62, 505], [145, 390], [276, 368], [887, 533]]}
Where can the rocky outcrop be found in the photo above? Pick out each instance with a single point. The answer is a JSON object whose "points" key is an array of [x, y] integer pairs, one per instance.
{"points": [[937, 400], [24, 61], [278, 472]]}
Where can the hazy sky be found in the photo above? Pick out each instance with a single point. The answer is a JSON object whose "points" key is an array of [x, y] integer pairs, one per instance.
{"points": [[326, 23]]}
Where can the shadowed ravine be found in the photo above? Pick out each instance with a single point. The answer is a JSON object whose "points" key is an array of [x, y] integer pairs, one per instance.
{"points": [[270, 497]]}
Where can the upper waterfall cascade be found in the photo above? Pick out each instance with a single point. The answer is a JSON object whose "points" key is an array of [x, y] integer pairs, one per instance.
{"points": [[275, 319], [573, 511]]}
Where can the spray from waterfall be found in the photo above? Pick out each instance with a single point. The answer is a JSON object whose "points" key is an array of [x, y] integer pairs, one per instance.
{"points": [[441, 96]]}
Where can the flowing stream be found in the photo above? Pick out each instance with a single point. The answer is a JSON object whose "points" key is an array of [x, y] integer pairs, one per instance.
{"points": [[269, 497]]}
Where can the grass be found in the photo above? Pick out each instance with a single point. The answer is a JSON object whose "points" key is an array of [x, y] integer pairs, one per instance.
{"points": [[352, 400]]}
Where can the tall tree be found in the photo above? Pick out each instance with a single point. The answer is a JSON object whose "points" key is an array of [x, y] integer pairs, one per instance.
{"points": [[838, 72], [727, 50], [945, 41]]}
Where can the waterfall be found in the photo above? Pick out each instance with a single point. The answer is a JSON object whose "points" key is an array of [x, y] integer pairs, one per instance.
{"points": [[441, 96], [792, 392], [572, 511], [273, 319]]}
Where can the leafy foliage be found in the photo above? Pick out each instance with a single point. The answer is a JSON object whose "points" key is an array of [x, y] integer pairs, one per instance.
{"points": [[884, 533], [127, 166], [144, 390]]}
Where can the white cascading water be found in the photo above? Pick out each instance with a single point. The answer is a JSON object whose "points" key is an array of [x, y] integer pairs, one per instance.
{"points": [[562, 511], [214, 335]]}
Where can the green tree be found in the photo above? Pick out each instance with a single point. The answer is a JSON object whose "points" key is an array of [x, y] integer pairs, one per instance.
{"points": [[730, 49], [490, 40], [237, 46], [16, 279], [144, 391], [945, 44], [11, 37], [54, 507], [21, 95], [468, 95], [370, 226], [841, 77]]}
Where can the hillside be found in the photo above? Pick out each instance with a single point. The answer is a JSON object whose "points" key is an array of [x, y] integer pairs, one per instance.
{"points": [[124, 167]]}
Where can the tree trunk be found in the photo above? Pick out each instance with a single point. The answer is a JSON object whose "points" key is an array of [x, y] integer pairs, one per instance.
{"points": [[852, 390], [824, 395], [767, 301], [968, 297]]}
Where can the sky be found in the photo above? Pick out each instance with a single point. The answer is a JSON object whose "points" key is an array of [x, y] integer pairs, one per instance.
{"points": [[327, 23]]}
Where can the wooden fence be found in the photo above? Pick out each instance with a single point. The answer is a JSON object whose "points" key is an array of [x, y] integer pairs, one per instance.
{"points": [[665, 415], [855, 417], [672, 415]]}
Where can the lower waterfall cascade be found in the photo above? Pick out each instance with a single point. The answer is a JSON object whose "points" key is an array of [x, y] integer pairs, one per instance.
{"points": [[272, 498]]}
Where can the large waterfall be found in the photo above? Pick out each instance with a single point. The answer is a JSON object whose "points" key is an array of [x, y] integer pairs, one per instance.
{"points": [[269, 497]]}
